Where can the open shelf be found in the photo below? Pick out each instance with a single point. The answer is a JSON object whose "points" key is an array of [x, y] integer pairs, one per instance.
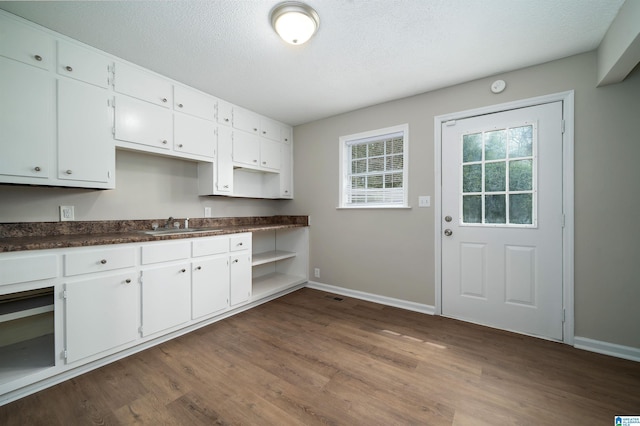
{"points": [[27, 357], [271, 256], [274, 282]]}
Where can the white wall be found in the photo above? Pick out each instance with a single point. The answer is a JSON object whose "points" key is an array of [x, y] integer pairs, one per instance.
{"points": [[391, 253], [147, 187]]}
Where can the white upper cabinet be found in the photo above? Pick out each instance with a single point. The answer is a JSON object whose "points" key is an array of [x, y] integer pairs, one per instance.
{"points": [[195, 103], [286, 134], [224, 113], [86, 150], [286, 172], [269, 129], [270, 155], [83, 64], [246, 120], [28, 122], [26, 44], [143, 123], [246, 149], [194, 135], [143, 85]]}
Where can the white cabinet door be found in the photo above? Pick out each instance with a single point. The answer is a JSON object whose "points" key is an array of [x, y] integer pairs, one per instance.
{"points": [[224, 113], [142, 123], [86, 149], [27, 120], [286, 172], [143, 85], [270, 154], [194, 135], [83, 64], [269, 129], [166, 297], [246, 149], [100, 314], [195, 103], [25, 44], [286, 135], [240, 286], [209, 286], [224, 161], [246, 120]]}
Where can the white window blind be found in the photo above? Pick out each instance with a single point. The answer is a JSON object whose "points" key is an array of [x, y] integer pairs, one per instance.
{"points": [[374, 168]]}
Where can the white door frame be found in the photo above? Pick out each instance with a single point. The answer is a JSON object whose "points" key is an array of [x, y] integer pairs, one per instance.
{"points": [[567, 99]]}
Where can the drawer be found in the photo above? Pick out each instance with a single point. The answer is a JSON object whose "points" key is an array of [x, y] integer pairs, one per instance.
{"points": [[28, 268], [91, 261], [240, 242], [165, 252], [209, 246]]}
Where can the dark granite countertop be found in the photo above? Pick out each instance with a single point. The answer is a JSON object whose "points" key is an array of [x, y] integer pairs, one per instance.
{"points": [[50, 235]]}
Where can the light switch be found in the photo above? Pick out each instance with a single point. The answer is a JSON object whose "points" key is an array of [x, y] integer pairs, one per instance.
{"points": [[424, 201]]}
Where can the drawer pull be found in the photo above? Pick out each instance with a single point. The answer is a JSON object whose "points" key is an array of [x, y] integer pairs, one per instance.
{"points": [[240, 243], [103, 261], [128, 281], [37, 58]]}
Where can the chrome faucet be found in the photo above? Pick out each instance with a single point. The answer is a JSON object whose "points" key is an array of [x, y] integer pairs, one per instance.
{"points": [[166, 225]]}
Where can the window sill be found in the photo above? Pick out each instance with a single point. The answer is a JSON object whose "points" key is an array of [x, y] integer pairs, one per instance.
{"points": [[375, 207]]}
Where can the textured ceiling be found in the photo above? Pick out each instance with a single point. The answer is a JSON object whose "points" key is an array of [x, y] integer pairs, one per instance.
{"points": [[366, 51]]}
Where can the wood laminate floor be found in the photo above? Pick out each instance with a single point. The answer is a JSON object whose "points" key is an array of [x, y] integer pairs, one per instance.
{"points": [[309, 359]]}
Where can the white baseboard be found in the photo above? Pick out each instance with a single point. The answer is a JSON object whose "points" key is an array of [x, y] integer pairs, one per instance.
{"points": [[606, 348], [383, 300]]}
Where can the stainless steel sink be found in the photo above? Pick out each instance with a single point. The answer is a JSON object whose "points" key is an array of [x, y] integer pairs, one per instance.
{"points": [[175, 231]]}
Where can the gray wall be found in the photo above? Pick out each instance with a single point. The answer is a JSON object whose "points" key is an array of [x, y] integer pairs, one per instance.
{"points": [[147, 187], [391, 253]]}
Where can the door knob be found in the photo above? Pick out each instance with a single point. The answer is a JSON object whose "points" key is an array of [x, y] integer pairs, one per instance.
{"points": [[448, 232], [448, 218]]}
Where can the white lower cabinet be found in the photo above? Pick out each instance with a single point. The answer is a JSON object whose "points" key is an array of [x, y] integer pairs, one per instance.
{"points": [[166, 297], [98, 304], [100, 314], [209, 286], [240, 278]]}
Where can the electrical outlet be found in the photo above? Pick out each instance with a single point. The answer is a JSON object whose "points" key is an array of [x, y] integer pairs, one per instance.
{"points": [[207, 212], [66, 214], [316, 272]]}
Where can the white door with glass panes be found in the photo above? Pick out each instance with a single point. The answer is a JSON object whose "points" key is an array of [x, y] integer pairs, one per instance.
{"points": [[502, 220]]}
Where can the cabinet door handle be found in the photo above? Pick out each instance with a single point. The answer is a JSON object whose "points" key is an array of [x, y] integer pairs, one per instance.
{"points": [[226, 186], [240, 244], [103, 261], [69, 172], [264, 162], [235, 261], [37, 58], [128, 281], [264, 132], [180, 146], [180, 105], [198, 268], [226, 120], [37, 168], [164, 141], [255, 129], [183, 270], [68, 68], [255, 161], [164, 100]]}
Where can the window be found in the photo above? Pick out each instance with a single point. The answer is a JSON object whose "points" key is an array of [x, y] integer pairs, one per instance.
{"points": [[373, 168], [498, 177]]}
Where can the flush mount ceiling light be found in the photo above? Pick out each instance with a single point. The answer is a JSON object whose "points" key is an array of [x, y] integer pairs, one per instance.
{"points": [[294, 22]]}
